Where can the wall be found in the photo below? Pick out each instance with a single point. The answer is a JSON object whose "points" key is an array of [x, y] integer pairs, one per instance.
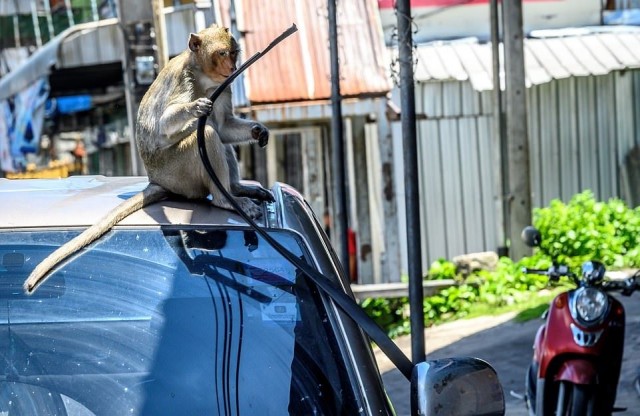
{"points": [[580, 130]]}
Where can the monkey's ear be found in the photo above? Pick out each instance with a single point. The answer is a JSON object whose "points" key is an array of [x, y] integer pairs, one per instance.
{"points": [[195, 42]]}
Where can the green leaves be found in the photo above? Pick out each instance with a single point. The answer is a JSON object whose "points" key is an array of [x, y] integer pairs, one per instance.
{"points": [[442, 269], [584, 229]]}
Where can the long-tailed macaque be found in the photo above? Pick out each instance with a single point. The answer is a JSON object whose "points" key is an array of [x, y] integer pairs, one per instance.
{"points": [[166, 139]]}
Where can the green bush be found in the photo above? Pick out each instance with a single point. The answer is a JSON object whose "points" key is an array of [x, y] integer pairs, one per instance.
{"points": [[585, 229], [507, 285], [390, 313], [442, 269], [572, 233]]}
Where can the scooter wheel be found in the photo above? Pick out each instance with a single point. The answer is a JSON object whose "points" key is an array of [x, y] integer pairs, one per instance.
{"points": [[530, 388], [575, 400]]}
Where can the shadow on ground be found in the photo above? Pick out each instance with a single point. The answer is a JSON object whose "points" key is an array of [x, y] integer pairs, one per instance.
{"points": [[507, 346]]}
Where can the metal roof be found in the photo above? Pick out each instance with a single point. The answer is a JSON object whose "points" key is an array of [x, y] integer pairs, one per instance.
{"points": [[298, 69], [552, 54]]}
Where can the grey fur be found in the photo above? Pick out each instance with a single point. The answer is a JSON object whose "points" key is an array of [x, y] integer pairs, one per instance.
{"points": [[166, 139]]}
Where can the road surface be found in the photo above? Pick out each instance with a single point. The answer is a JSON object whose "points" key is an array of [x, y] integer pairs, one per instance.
{"points": [[507, 346]]}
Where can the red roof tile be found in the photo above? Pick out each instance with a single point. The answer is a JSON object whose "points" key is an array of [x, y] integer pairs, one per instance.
{"points": [[298, 69]]}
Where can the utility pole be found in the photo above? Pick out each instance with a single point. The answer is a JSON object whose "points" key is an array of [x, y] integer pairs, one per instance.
{"points": [[519, 197], [339, 229], [410, 156]]}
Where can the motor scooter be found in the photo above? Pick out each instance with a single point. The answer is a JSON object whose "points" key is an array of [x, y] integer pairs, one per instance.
{"points": [[577, 352]]}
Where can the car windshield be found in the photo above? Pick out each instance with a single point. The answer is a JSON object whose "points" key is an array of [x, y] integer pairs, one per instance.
{"points": [[166, 321]]}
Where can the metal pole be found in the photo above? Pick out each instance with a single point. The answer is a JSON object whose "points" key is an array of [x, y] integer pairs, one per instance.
{"points": [[339, 230], [94, 11], [501, 177], [129, 92], [410, 155], [67, 5], [16, 25], [135, 20], [36, 24], [47, 11]]}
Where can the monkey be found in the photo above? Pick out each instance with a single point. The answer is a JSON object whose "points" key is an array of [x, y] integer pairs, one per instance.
{"points": [[166, 139], [180, 94]]}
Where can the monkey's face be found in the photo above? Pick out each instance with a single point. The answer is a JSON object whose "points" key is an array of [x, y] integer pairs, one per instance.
{"points": [[216, 51]]}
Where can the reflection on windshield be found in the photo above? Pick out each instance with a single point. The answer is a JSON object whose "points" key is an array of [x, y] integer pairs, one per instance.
{"points": [[165, 322]]}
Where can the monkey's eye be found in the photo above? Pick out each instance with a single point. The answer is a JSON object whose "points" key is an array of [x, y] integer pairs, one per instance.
{"points": [[223, 53]]}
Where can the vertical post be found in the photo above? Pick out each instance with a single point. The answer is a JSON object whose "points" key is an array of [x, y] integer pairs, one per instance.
{"points": [[36, 24], [391, 259], [94, 11], [160, 33], [67, 6], [204, 14], [410, 155], [135, 20], [239, 92], [47, 12], [337, 149], [132, 107], [501, 178], [16, 27], [516, 128], [350, 168]]}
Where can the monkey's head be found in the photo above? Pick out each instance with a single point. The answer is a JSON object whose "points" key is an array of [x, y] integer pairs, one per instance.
{"points": [[216, 52]]}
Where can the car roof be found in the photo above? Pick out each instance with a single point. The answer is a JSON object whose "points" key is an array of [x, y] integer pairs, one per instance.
{"points": [[80, 201]]}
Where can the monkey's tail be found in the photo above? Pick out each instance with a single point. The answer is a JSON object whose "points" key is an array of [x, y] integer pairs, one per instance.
{"points": [[149, 195]]}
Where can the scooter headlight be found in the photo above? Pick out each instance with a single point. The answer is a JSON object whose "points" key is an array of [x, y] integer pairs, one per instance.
{"points": [[589, 305]]}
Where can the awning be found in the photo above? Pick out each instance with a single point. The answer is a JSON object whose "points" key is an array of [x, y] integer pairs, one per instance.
{"points": [[55, 54]]}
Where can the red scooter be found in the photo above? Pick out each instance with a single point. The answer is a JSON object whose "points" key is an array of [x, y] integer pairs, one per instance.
{"points": [[578, 350]]}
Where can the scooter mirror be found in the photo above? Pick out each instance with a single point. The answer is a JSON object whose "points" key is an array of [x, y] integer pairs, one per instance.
{"points": [[531, 236], [460, 386]]}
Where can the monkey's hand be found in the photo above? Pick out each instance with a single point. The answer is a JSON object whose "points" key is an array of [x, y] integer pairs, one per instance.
{"points": [[201, 107], [252, 191], [261, 134], [261, 194]]}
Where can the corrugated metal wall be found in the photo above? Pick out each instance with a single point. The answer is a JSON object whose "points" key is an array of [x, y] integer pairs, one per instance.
{"points": [[580, 129]]}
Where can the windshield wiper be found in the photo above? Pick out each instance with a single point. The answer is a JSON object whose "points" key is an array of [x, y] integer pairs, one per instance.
{"points": [[208, 265], [208, 261]]}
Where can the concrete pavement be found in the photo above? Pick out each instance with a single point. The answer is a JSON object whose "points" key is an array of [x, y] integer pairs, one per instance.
{"points": [[507, 346]]}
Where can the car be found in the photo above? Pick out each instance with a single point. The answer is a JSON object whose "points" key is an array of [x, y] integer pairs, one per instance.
{"points": [[184, 308]]}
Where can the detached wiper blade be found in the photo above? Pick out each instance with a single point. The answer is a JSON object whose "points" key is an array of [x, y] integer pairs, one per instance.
{"points": [[203, 261], [209, 265], [235, 284], [199, 257]]}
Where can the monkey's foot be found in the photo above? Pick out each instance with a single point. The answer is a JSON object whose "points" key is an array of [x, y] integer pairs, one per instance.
{"points": [[246, 205], [251, 208]]}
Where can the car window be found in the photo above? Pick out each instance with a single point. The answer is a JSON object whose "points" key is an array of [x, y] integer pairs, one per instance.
{"points": [[166, 321]]}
